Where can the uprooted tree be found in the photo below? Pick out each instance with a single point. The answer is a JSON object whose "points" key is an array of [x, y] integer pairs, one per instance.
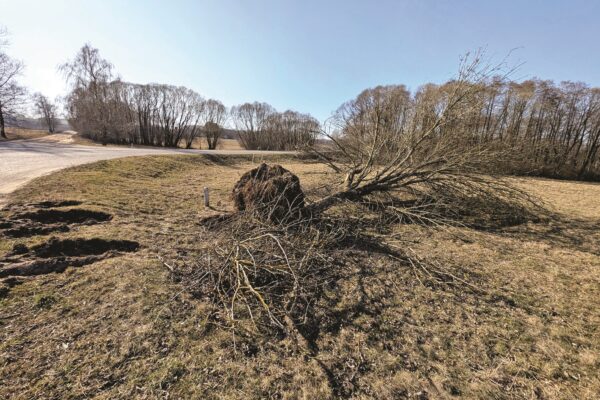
{"points": [[408, 157], [390, 145]]}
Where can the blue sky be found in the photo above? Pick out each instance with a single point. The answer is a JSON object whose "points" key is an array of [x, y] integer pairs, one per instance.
{"points": [[308, 55]]}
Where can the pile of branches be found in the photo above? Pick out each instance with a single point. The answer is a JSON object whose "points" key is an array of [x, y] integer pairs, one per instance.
{"points": [[479, 202], [265, 273], [268, 276]]}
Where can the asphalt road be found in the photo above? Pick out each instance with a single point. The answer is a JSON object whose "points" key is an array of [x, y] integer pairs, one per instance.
{"points": [[23, 160]]}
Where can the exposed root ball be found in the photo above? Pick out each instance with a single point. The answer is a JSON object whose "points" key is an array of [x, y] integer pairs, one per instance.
{"points": [[270, 191]]}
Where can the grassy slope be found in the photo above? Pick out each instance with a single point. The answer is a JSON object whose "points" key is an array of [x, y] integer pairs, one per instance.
{"points": [[121, 329]]}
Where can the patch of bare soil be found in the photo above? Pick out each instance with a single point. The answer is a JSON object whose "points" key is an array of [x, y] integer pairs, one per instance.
{"points": [[46, 219], [73, 216], [80, 247], [56, 203], [54, 255], [47, 266]]}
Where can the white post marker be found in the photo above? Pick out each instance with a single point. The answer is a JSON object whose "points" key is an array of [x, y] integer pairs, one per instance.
{"points": [[206, 199]]}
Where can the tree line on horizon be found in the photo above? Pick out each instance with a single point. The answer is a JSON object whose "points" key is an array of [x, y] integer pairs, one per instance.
{"points": [[109, 110], [544, 128], [536, 127]]}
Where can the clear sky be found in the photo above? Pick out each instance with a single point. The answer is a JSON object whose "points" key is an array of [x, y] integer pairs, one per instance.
{"points": [[305, 55]]}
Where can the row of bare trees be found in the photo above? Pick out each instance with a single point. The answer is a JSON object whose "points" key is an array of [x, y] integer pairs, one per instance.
{"points": [[534, 127], [261, 127], [12, 95], [539, 127], [153, 114], [552, 129], [107, 109]]}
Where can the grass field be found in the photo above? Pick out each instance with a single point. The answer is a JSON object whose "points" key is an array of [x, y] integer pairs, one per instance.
{"points": [[123, 328], [224, 144], [20, 133]]}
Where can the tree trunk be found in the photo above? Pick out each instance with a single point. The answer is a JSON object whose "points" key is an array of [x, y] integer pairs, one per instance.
{"points": [[329, 201], [212, 142], [2, 131]]}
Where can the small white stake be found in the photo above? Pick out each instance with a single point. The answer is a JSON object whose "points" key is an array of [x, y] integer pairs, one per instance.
{"points": [[206, 200]]}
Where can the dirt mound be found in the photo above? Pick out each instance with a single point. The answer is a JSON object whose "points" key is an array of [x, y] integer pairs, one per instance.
{"points": [[47, 266], [270, 190], [56, 255], [19, 248], [5, 224], [44, 218], [81, 247], [73, 216], [32, 229], [56, 203]]}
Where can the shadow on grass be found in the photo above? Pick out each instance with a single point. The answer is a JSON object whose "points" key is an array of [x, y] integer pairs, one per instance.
{"points": [[572, 234]]}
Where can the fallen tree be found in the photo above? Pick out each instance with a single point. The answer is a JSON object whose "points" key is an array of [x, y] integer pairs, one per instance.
{"points": [[417, 149], [268, 262]]}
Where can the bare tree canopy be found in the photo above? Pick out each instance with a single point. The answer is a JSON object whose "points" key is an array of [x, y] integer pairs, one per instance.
{"points": [[216, 115], [89, 102], [261, 127], [46, 109], [12, 95], [87, 69], [417, 147]]}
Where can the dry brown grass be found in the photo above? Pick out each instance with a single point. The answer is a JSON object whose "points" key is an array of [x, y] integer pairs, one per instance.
{"points": [[122, 328], [229, 144], [20, 133], [224, 144]]}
